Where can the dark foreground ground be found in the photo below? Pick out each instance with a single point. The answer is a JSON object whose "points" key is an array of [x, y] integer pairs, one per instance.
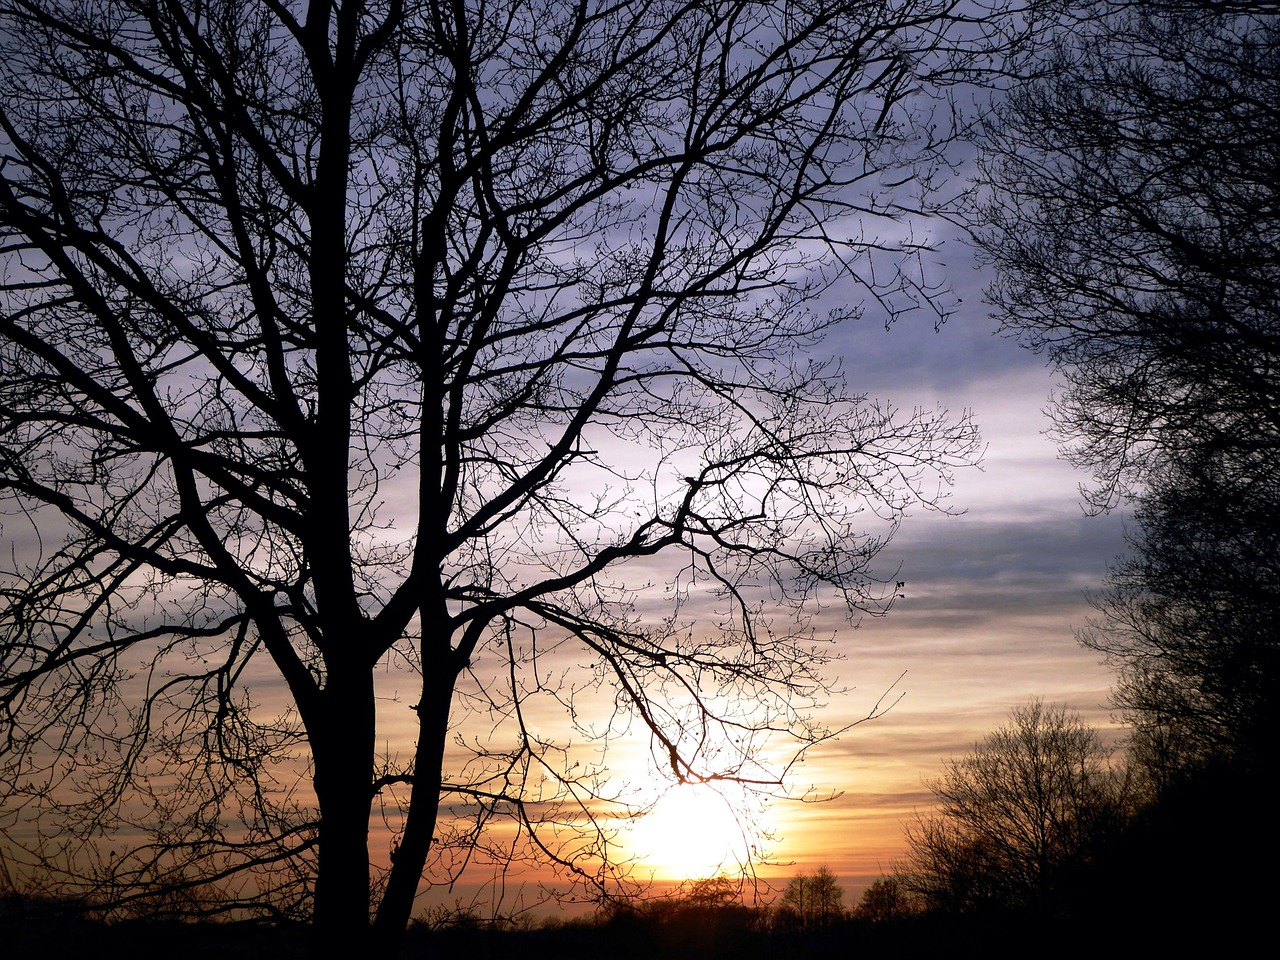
{"points": [[50, 932]]}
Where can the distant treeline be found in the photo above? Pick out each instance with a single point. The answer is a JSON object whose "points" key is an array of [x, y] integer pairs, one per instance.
{"points": [[671, 929]]}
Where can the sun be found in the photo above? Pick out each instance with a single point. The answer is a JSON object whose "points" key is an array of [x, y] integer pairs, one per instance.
{"points": [[692, 832]]}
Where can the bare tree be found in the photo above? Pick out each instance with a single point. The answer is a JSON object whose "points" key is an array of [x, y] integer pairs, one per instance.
{"points": [[1190, 619], [1032, 803], [361, 340], [1132, 219], [814, 901], [1135, 224], [888, 899]]}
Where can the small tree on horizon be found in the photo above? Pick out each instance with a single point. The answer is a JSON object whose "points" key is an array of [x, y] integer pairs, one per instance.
{"points": [[887, 898], [1019, 817], [813, 901]]}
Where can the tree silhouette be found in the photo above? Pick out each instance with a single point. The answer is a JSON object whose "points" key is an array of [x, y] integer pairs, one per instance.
{"points": [[1132, 219], [1135, 224], [886, 900], [1191, 619], [814, 901], [352, 346], [1019, 816]]}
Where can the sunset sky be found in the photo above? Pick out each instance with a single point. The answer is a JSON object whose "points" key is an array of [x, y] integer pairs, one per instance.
{"points": [[603, 513], [992, 600], [994, 593]]}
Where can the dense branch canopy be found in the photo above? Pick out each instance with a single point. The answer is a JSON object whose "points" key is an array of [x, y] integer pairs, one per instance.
{"points": [[338, 335], [1133, 221], [1136, 228]]}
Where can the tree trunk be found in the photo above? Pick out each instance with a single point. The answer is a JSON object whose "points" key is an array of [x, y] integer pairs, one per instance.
{"points": [[342, 745], [410, 856]]}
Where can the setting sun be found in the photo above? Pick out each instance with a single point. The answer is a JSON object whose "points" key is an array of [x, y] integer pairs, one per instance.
{"points": [[692, 832]]}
